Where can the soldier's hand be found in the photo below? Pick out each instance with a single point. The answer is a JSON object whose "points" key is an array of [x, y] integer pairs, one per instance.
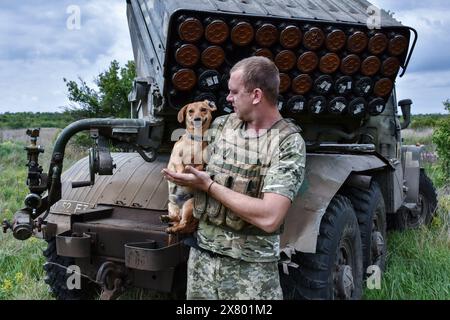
{"points": [[190, 178]]}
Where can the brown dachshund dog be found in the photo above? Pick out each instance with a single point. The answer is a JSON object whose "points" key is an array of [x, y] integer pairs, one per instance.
{"points": [[189, 150]]}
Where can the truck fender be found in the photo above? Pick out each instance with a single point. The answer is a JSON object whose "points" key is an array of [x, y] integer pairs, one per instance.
{"points": [[324, 176], [134, 183]]}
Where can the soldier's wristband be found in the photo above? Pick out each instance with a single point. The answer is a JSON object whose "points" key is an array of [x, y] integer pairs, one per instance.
{"points": [[210, 185]]}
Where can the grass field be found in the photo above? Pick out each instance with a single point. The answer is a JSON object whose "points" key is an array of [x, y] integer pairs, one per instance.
{"points": [[21, 272], [418, 261], [20, 261]]}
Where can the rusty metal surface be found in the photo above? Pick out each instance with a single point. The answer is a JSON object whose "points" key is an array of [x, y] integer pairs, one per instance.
{"points": [[68, 245], [325, 174], [135, 183], [56, 224], [147, 256], [111, 277], [161, 281], [125, 225]]}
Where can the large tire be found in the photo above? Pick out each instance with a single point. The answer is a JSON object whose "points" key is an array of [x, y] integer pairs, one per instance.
{"points": [[57, 276], [427, 204], [335, 270], [371, 213]]}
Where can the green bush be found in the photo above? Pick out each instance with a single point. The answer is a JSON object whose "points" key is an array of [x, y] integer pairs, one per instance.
{"points": [[441, 138], [423, 121]]}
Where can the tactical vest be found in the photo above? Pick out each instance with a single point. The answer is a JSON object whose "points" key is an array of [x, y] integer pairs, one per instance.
{"points": [[239, 163]]}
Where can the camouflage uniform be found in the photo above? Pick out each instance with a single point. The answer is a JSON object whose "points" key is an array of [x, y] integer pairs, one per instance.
{"points": [[244, 263], [226, 278]]}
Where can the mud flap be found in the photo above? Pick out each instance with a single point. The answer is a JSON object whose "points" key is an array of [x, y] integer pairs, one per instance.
{"points": [[411, 156]]}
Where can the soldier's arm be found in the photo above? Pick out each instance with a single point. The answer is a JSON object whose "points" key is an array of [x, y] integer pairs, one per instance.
{"points": [[267, 213]]}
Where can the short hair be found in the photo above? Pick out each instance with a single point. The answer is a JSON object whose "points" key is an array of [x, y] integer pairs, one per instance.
{"points": [[262, 73]]}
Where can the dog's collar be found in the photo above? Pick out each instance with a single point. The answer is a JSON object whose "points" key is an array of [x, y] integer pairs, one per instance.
{"points": [[194, 137]]}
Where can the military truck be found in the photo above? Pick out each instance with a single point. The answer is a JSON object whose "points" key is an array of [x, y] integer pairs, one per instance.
{"points": [[338, 63]]}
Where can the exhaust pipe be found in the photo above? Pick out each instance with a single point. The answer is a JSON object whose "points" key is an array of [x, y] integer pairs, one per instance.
{"points": [[406, 112]]}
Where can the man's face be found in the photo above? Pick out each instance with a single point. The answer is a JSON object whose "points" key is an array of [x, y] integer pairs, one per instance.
{"points": [[239, 97]]}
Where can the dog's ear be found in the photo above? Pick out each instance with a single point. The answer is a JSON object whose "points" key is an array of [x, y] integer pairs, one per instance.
{"points": [[182, 114], [211, 105]]}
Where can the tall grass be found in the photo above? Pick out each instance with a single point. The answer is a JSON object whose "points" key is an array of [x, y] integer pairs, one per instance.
{"points": [[22, 275], [21, 271], [418, 261], [12, 177], [421, 136]]}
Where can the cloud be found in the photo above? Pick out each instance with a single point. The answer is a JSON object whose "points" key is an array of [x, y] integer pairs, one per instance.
{"points": [[402, 5], [35, 32], [433, 45], [427, 90], [38, 50], [42, 79]]}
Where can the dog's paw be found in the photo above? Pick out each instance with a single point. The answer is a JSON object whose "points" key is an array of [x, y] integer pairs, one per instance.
{"points": [[171, 230], [190, 227], [183, 227], [166, 219]]}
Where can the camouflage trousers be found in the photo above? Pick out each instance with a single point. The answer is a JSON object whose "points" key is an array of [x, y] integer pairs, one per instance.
{"points": [[224, 278]]}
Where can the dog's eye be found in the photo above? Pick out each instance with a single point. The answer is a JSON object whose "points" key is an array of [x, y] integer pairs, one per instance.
{"points": [[191, 111], [203, 109]]}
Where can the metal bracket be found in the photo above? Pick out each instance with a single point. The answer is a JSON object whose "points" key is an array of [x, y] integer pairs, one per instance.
{"points": [[111, 277]]}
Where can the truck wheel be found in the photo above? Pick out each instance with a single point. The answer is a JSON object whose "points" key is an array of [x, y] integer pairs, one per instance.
{"points": [[57, 276], [426, 206], [371, 214], [335, 270]]}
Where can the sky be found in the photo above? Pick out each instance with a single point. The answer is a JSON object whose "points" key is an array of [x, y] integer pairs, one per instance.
{"points": [[42, 42]]}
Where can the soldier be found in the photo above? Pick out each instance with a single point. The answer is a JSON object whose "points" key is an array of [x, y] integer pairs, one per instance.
{"points": [[255, 170]]}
